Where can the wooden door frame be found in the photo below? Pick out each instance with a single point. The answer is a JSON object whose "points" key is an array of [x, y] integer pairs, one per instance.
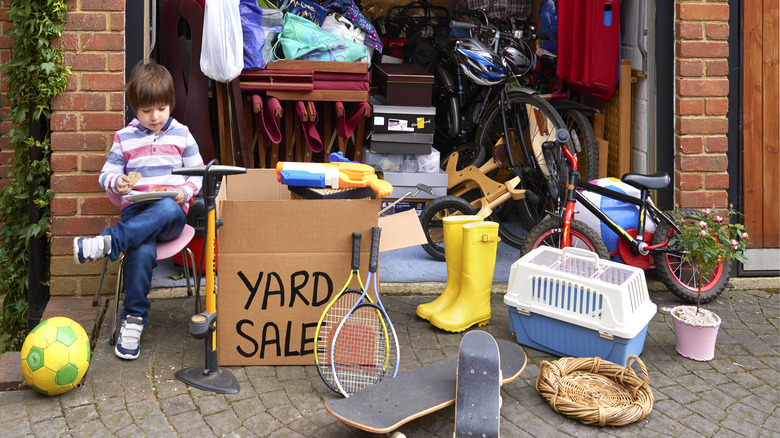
{"points": [[756, 127]]}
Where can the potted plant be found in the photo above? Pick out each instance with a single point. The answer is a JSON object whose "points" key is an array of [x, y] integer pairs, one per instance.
{"points": [[707, 240]]}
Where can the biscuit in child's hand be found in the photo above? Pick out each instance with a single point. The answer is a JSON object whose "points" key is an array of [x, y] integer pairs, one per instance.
{"points": [[134, 177]]}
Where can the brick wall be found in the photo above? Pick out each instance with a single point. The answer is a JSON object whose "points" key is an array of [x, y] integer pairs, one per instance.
{"points": [[83, 122], [701, 103]]}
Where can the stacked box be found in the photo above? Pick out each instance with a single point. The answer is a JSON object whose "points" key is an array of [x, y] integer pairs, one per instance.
{"points": [[402, 129], [571, 303], [404, 84]]}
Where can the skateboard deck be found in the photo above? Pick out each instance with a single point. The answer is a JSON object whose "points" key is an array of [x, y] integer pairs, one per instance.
{"points": [[391, 403], [478, 392]]}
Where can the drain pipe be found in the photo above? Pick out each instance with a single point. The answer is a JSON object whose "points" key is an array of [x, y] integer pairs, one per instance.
{"points": [[37, 267], [647, 48]]}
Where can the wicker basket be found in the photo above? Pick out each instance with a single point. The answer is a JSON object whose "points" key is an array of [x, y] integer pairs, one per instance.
{"points": [[595, 391]]}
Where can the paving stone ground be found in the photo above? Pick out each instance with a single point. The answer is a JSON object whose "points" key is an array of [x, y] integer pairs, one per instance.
{"points": [[735, 394]]}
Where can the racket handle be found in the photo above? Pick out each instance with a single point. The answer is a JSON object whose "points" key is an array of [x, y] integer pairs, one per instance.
{"points": [[372, 262], [356, 251]]}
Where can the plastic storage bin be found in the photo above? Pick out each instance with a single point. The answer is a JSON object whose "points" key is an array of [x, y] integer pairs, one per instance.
{"points": [[589, 45], [571, 303]]}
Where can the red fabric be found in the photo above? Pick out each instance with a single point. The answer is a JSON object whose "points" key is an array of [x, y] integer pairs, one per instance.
{"points": [[309, 118], [340, 85], [343, 77], [348, 121]]}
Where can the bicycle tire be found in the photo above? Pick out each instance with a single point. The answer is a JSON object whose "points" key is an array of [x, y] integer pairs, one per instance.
{"points": [[549, 231], [584, 141], [469, 154], [491, 130], [445, 100], [431, 219], [679, 276]]}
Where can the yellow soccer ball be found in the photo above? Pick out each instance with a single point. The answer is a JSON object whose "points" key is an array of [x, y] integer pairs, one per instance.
{"points": [[55, 355]]}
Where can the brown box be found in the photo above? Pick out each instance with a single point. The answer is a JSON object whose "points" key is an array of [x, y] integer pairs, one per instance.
{"points": [[282, 260], [404, 84]]}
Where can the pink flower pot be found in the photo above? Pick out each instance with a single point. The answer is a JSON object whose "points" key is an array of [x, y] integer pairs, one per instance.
{"points": [[695, 340]]}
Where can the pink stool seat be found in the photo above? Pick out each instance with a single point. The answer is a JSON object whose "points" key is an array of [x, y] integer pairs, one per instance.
{"points": [[168, 249]]}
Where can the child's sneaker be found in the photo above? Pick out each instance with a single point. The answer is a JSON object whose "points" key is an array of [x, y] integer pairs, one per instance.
{"points": [[88, 249], [129, 344]]}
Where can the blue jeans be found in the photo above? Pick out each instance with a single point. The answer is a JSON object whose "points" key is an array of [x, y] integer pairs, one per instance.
{"points": [[136, 235]]}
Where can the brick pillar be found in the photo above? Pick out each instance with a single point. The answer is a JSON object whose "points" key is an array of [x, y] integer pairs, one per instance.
{"points": [[83, 121], [701, 103]]}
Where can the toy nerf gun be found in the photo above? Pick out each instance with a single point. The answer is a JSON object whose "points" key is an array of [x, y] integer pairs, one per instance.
{"points": [[333, 175]]}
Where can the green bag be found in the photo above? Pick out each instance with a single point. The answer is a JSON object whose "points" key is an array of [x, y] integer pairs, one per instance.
{"points": [[302, 39]]}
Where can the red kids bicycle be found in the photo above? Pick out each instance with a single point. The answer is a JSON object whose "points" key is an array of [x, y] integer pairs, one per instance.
{"points": [[635, 247]]}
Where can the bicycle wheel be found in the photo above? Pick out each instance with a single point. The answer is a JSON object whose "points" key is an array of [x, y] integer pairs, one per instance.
{"points": [[584, 141], [680, 276], [469, 154], [431, 219], [549, 232], [445, 137], [540, 127]]}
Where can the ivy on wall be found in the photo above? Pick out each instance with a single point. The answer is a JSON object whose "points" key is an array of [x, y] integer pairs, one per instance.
{"points": [[34, 75]]}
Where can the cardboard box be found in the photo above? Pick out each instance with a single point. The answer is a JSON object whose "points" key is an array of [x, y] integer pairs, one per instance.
{"points": [[282, 260], [402, 206], [407, 182]]}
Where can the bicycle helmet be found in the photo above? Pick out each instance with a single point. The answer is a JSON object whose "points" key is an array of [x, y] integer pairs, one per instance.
{"points": [[478, 63], [515, 61]]}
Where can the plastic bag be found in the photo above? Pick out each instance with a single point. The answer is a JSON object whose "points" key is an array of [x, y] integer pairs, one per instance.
{"points": [[338, 25], [221, 57], [302, 39], [260, 28], [351, 12]]}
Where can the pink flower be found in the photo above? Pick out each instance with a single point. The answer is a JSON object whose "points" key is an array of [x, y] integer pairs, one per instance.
{"points": [[718, 219], [703, 233], [744, 235], [676, 205], [733, 243], [706, 211], [703, 224]]}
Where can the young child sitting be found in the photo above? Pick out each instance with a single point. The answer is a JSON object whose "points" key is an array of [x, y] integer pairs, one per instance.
{"points": [[140, 161]]}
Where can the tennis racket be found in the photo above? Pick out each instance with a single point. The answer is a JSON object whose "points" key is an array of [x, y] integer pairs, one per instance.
{"points": [[334, 313], [365, 346]]}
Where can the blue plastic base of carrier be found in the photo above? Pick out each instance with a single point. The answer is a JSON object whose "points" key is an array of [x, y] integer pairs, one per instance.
{"points": [[568, 340]]}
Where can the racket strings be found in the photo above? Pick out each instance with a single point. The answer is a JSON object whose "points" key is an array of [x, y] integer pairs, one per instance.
{"points": [[337, 312], [362, 350]]}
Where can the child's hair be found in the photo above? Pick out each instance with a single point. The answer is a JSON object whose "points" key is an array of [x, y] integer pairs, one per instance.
{"points": [[150, 84]]}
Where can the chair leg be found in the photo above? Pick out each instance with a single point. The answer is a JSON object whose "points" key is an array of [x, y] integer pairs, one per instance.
{"points": [[100, 283], [186, 268], [120, 287], [187, 254]]}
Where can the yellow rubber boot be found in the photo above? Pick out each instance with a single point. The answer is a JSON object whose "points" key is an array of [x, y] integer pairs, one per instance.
{"points": [[453, 254], [472, 306]]}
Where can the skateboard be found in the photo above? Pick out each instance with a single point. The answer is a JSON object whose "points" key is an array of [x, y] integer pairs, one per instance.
{"points": [[389, 404], [478, 391]]}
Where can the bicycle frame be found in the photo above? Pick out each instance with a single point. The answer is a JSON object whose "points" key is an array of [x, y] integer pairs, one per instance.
{"points": [[645, 204]]}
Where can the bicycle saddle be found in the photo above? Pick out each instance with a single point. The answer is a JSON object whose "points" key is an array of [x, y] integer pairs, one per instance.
{"points": [[656, 181]]}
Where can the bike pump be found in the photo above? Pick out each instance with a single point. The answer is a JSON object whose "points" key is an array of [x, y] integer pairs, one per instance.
{"points": [[204, 325]]}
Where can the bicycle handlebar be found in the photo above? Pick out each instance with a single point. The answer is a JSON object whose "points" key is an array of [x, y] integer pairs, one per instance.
{"points": [[465, 25]]}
